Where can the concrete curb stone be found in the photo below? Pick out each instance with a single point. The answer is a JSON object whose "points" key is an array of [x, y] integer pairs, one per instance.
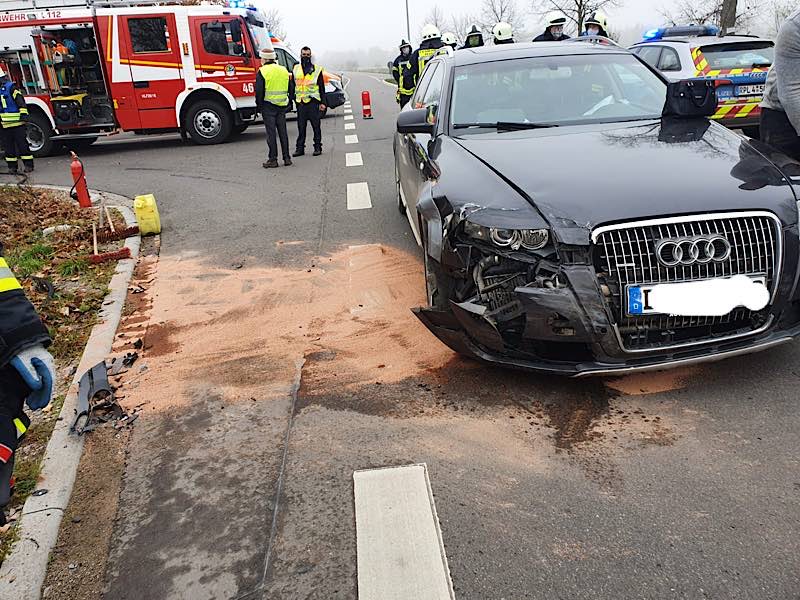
{"points": [[23, 571]]}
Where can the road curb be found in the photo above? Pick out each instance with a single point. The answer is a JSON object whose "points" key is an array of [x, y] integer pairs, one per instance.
{"points": [[23, 571]]}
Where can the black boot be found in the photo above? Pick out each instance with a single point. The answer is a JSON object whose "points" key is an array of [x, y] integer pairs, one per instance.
{"points": [[299, 152], [317, 151], [28, 166]]}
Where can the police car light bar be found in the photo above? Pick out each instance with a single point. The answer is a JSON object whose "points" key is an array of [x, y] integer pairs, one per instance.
{"points": [[679, 31]]}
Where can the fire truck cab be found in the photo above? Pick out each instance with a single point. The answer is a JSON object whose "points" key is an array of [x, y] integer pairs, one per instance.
{"points": [[95, 68]]}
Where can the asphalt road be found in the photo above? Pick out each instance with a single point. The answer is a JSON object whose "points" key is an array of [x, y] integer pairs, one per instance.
{"points": [[684, 485]]}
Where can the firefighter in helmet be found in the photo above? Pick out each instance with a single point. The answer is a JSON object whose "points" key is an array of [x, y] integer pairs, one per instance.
{"points": [[27, 373], [13, 120], [403, 74], [503, 33], [431, 42], [554, 31], [450, 39], [596, 24], [474, 38]]}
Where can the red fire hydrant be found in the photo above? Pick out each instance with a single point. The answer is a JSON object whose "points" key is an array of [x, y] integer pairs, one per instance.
{"points": [[366, 105], [80, 191]]}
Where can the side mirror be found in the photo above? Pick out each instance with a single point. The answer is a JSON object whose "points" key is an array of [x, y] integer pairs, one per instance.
{"points": [[236, 31], [415, 121], [238, 49]]}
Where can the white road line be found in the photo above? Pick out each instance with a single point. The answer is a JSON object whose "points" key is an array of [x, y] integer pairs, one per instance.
{"points": [[353, 159], [348, 111], [348, 117], [358, 196], [349, 126], [351, 139], [383, 81], [399, 543]]}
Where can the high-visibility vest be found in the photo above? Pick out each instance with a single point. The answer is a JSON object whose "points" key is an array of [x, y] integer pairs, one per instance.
{"points": [[306, 87], [425, 55], [276, 84], [405, 71], [10, 112], [8, 282]]}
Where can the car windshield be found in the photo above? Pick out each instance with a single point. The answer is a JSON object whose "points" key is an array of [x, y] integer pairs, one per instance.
{"points": [[555, 90], [741, 55]]}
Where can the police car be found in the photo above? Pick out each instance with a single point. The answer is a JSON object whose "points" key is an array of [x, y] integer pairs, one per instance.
{"points": [[739, 63]]}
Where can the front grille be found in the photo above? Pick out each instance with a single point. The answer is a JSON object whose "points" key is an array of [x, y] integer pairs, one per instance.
{"points": [[626, 255]]}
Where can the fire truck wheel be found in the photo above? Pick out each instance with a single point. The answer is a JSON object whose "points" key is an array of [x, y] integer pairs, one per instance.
{"points": [[40, 135], [208, 122]]}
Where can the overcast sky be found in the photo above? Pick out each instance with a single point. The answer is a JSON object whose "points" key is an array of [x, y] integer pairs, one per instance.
{"points": [[329, 25]]}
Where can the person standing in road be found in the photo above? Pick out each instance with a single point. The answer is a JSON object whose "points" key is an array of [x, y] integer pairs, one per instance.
{"points": [[27, 373], [503, 34], [780, 110], [403, 74], [474, 39], [554, 32], [431, 42], [309, 84], [274, 89], [13, 121]]}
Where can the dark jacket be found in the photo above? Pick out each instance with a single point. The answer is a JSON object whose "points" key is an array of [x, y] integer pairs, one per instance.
{"points": [[407, 73], [260, 87], [547, 36], [425, 45], [20, 326]]}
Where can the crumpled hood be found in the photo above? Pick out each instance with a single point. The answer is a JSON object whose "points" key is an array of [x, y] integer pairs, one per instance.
{"points": [[582, 177]]}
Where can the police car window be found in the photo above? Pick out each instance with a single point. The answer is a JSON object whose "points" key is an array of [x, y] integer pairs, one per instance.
{"points": [[739, 55], [650, 54], [669, 60], [149, 35], [217, 39], [422, 86]]}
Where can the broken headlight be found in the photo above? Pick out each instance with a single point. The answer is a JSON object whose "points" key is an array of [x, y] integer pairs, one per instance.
{"points": [[530, 239]]}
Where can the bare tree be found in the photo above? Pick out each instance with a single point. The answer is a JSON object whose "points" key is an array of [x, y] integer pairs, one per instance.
{"points": [[711, 12], [495, 11], [274, 23], [461, 25], [435, 17], [780, 11], [576, 11]]}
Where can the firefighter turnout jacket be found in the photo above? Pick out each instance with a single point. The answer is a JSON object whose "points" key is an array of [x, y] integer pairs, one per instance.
{"points": [[20, 326], [13, 110], [403, 74], [274, 85], [423, 54], [309, 86]]}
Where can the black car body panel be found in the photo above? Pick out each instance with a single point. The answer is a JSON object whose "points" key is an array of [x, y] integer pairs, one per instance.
{"points": [[559, 309]]}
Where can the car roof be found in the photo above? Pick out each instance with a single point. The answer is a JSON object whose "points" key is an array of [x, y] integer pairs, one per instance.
{"points": [[703, 40], [470, 56]]}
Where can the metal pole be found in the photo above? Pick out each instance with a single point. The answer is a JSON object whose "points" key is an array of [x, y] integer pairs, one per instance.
{"points": [[408, 24]]}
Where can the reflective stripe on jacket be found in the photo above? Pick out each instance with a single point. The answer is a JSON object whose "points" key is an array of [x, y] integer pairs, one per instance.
{"points": [[12, 105], [306, 87], [406, 82], [425, 55], [276, 84]]}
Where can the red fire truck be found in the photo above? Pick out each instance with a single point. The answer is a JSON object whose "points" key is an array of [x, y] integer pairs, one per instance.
{"points": [[100, 67]]}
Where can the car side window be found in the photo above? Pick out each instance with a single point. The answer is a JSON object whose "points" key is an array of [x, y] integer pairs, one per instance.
{"points": [[433, 94], [669, 60], [285, 59], [650, 54], [215, 39], [422, 86]]}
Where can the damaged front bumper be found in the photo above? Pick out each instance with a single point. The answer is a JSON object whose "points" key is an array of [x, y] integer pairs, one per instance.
{"points": [[534, 314]]}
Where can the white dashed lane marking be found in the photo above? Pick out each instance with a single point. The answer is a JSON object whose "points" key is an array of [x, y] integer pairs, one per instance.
{"points": [[348, 117], [358, 196], [351, 139], [353, 159], [349, 125], [398, 540], [348, 111]]}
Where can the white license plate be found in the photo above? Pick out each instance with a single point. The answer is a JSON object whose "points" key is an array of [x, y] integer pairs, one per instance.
{"points": [[750, 90], [639, 300]]}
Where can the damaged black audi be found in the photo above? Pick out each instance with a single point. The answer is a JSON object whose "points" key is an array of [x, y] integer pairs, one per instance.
{"points": [[569, 226]]}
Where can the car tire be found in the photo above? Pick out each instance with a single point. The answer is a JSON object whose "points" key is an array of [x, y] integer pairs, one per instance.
{"points": [[40, 135], [208, 122], [400, 206]]}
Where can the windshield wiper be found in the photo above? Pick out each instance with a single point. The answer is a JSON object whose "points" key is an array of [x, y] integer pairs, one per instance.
{"points": [[504, 126], [762, 65]]}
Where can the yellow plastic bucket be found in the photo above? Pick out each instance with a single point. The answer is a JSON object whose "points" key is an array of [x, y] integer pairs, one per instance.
{"points": [[147, 214]]}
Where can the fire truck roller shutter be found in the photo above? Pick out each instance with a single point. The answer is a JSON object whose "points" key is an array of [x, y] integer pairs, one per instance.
{"points": [[207, 113]]}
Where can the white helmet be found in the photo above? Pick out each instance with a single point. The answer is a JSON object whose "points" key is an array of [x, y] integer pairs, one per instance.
{"points": [[449, 39], [502, 32], [556, 18], [599, 19], [431, 32]]}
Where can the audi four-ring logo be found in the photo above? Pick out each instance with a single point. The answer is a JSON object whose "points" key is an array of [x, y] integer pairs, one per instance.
{"points": [[693, 251]]}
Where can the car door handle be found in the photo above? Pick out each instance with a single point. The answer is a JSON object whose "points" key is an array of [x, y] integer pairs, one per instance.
{"points": [[141, 84]]}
